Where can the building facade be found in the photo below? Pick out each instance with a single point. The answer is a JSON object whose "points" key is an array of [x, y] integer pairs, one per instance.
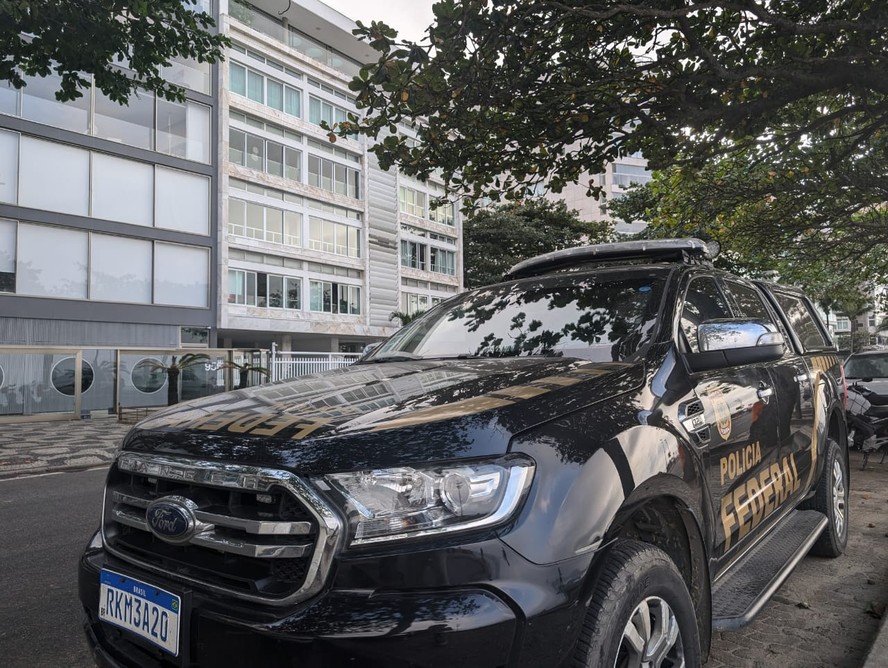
{"points": [[230, 220], [318, 246]]}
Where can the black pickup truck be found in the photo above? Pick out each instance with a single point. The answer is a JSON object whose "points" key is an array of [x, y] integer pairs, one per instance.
{"points": [[596, 462]]}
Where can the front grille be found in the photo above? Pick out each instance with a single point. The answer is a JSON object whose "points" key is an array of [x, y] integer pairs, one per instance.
{"points": [[258, 534]]}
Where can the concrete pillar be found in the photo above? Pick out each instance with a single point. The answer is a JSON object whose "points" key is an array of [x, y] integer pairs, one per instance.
{"points": [[287, 342], [334, 344]]}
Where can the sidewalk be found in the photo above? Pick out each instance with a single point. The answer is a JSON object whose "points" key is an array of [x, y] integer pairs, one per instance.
{"points": [[42, 447]]}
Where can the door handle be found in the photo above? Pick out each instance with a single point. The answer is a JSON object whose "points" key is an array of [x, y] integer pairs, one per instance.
{"points": [[765, 392]]}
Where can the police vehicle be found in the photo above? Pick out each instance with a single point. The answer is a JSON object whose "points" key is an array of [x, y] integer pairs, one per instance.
{"points": [[597, 462]]}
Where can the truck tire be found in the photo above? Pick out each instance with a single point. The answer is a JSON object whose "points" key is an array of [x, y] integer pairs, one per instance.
{"points": [[831, 499], [640, 614]]}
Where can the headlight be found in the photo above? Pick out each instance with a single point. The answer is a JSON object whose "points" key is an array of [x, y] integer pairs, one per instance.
{"points": [[399, 503]]}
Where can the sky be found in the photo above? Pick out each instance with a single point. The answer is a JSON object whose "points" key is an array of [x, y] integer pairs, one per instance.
{"points": [[409, 17]]}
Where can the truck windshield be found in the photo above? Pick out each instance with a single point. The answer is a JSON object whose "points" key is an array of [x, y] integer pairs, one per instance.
{"points": [[608, 316]]}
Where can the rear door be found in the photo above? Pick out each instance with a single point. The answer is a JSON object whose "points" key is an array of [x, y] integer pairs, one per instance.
{"points": [[801, 431]]}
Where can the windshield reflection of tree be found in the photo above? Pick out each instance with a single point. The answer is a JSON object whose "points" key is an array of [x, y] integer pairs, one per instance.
{"points": [[587, 318]]}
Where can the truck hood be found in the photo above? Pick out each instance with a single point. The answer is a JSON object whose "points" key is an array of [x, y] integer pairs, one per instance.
{"points": [[381, 415]]}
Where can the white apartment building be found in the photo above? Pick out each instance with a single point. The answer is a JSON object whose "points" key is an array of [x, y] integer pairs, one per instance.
{"points": [[616, 179], [317, 245]]}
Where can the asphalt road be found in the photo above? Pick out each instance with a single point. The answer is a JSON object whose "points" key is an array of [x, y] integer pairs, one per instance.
{"points": [[46, 522]]}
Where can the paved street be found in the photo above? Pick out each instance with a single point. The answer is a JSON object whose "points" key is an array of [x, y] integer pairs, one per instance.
{"points": [[46, 522], [823, 616]]}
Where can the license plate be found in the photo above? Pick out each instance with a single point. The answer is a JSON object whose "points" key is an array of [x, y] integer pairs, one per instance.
{"points": [[149, 612]]}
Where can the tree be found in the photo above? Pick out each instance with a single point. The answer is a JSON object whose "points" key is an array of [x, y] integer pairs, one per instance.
{"points": [[77, 40], [496, 238], [174, 369], [513, 93], [405, 318]]}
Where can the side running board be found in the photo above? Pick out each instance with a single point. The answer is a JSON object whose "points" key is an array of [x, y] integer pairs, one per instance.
{"points": [[741, 594]]}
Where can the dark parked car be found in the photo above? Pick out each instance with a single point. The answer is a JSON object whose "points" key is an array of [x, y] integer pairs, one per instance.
{"points": [[596, 462]]}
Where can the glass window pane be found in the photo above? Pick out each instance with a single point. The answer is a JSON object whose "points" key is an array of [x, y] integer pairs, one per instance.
{"points": [[292, 228], [172, 121], [255, 153], [274, 225], [189, 73], [237, 217], [293, 289], [238, 79], [314, 110], [120, 269], [39, 104], [341, 240], [182, 201], [327, 175], [340, 179], [51, 262], [275, 95], [235, 287], [276, 291], [255, 221], [255, 86], [314, 171], [7, 255], [237, 147], [354, 244], [275, 162], [198, 128], [292, 101], [9, 99], [122, 190], [316, 296], [66, 168], [181, 275], [251, 288], [8, 166], [293, 166], [132, 124]]}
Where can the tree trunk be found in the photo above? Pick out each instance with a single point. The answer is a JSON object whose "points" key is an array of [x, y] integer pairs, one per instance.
{"points": [[172, 386]]}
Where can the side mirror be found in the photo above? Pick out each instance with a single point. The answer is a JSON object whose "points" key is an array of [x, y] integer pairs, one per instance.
{"points": [[728, 342], [368, 349]]}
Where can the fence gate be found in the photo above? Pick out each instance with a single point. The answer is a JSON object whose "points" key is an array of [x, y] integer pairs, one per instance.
{"points": [[289, 364]]}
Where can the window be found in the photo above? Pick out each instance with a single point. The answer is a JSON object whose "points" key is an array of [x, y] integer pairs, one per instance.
{"points": [[131, 124], [442, 214], [327, 297], [65, 167], [703, 301], [802, 321], [413, 303], [265, 90], [189, 73], [119, 269], [627, 175], [319, 110], [181, 275], [39, 104], [412, 201], [122, 190], [9, 99], [264, 155], [255, 221], [148, 375], [843, 324], [181, 201], [749, 302], [62, 376], [264, 290], [52, 262], [7, 255], [334, 177], [442, 261], [9, 152], [330, 237], [413, 255]]}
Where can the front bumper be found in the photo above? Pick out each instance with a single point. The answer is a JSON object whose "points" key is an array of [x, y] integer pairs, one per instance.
{"points": [[504, 620]]}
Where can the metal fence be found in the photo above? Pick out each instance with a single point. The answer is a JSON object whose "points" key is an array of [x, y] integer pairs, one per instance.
{"points": [[289, 364]]}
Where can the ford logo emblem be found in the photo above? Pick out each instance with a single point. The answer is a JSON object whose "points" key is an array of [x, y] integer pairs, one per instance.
{"points": [[171, 518]]}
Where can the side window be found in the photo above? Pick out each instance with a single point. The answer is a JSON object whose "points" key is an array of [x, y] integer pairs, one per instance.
{"points": [[703, 301], [749, 302], [802, 321]]}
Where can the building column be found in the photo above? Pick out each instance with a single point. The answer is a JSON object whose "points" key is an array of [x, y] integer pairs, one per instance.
{"points": [[334, 344], [287, 342]]}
